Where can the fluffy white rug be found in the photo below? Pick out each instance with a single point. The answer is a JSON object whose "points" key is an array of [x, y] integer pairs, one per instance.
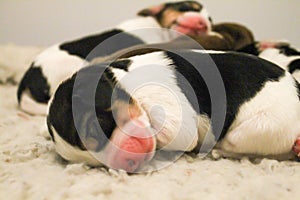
{"points": [[30, 168]]}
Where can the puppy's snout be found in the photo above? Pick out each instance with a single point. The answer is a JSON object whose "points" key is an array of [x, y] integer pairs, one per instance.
{"points": [[192, 24], [193, 21], [132, 146]]}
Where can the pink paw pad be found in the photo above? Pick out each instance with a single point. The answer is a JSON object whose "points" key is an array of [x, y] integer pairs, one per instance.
{"points": [[296, 147]]}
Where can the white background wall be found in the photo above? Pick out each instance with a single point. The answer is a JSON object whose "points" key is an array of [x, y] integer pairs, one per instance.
{"points": [[44, 22]]}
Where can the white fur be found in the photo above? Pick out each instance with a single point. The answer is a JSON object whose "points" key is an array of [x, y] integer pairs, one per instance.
{"points": [[152, 83], [205, 13], [203, 51], [269, 123], [72, 153], [206, 138], [57, 65], [30, 106], [274, 55], [148, 30]]}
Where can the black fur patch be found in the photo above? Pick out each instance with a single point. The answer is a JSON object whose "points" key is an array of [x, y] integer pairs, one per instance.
{"points": [[60, 116], [243, 76], [182, 6], [85, 47], [36, 83], [121, 64], [289, 51], [294, 65], [250, 49]]}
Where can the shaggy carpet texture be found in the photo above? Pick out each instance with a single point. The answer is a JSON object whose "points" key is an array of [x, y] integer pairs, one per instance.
{"points": [[31, 169]]}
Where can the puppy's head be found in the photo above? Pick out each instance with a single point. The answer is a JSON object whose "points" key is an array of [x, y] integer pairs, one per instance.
{"points": [[187, 17], [92, 119]]}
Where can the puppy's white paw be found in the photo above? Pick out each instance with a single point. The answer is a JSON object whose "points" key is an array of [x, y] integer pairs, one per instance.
{"points": [[44, 132]]}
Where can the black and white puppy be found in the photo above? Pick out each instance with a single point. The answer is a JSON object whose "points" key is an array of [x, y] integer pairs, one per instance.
{"points": [[279, 53], [60, 61], [159, 100]]}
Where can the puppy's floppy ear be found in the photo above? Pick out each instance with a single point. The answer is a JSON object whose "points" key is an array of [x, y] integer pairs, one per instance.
{"points": [[152, 11]]}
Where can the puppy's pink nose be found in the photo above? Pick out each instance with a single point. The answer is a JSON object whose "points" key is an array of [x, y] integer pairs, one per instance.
{"points": [[135, 153], [194, 22], [190, 19], [136, 147]]}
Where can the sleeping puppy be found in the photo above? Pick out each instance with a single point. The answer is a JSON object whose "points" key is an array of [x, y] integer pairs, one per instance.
{"points": [[224, 36], [118, 113], [280, 53], [60, 61]]}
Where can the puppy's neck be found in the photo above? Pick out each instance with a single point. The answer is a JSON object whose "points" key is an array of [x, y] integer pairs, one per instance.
{"points": [[147, 29]]}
